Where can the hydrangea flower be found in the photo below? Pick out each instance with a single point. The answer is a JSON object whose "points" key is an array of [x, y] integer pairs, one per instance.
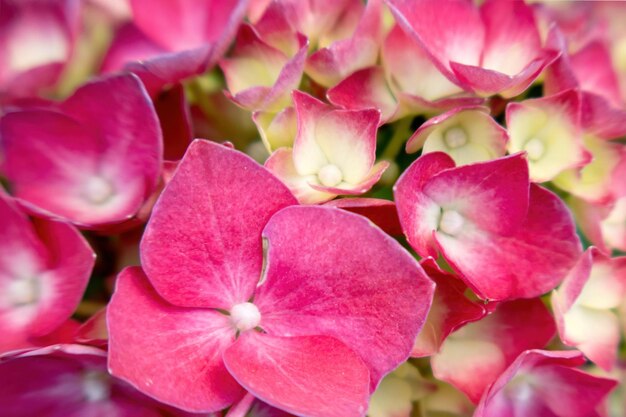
{"points": [[310, 328]]}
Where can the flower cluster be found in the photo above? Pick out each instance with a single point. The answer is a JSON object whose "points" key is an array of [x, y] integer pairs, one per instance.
{"points": [[314, 208]]}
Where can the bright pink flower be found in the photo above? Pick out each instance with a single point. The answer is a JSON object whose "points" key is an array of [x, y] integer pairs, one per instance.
{"points": [[494, 49], [506, 238], [468, 134], [311, 331], [37, 38], [92, 160], [174, 39], [70, 381], [451, 309], [333, 154], [583, 306], [475, 355], [44, 269], [549, 130], [545, 384]]}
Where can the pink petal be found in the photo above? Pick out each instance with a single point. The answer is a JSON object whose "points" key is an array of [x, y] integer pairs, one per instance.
{"points": [[129, 44], [307, 375], [365, 89], [543, 383], [281, 164], [91, 162], [382, 213], [493, 194], [448, 31], [318, 274], [202, 245], [583, 302], [42, 280], [175, 359], [512, 37], [185, 24], [472, 358], [175, 118], [419, 215], [403, 57], [549, 130], [450, 310], [543, 250], [361, 187], [468, 134], [328, 66], [281, 74], [94, 330]]}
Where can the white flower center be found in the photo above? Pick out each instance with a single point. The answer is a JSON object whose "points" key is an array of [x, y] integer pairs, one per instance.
{"points": [[245, 316], [535, 149], [98, 190], [23, 291], [455, 137], [451, 222], [330, 175], [96, 386]]}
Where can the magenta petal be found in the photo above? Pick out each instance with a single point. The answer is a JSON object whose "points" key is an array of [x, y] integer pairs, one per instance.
{"points": [[322, 280], [418, 213], [170, 353], [202, 246], [542, 383], [175, 118], [542, 251], [316, 376], [44, 269]]}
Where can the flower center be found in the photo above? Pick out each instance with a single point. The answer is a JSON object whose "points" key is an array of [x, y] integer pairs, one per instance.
{"points": [[96, 386], [24, 291], [535, 149], [330, 175], [245, 316], [98, 190], [455, 137], [451, 222]]}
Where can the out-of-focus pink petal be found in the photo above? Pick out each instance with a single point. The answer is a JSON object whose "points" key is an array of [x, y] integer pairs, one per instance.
{"points": [[44, 269], [173, 111], [448, 31], [295, 299], [94, 330], [328, 66], [92, 162], [549, 130], [474, 356], [450, 310], [403, 58], [175, 359], [129, 44], [582, 306], [543, 383], [468, 134], [277, 130], [259, 76], [202, 245], [184, 24], [382, 213], [543, 250], [37, 39], [317, 376]]}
